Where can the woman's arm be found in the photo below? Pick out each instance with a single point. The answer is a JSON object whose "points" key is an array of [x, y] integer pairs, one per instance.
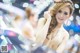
{"points": [[42, 30], [61, 47]]}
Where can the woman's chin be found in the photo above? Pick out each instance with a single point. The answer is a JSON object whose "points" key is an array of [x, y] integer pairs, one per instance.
{"points": [[60, 22]]}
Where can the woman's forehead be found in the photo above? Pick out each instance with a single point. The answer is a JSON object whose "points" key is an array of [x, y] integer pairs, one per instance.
{"points": [[65, 9]]}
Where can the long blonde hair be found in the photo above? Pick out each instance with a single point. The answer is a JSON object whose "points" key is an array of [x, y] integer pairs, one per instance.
{"points": [[54, 9]]}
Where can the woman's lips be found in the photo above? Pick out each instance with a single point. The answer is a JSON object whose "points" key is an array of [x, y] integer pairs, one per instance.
{"points": [[60, 19]]}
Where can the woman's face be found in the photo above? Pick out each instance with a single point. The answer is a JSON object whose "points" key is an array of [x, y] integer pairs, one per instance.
{"points": [[34, 16], [62, 14]]}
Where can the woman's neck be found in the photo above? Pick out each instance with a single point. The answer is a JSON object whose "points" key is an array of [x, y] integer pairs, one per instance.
{"points": [[59, 25]]}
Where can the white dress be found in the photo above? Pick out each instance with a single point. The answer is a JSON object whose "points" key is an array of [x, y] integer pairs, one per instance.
{"points": [[57, 39]]}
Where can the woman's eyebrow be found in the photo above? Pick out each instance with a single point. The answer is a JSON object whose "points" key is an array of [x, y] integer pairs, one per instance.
{"points": [[65, 11]]}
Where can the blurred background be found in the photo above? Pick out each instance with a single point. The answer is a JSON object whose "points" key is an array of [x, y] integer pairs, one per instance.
{"points": [[18, 22]]}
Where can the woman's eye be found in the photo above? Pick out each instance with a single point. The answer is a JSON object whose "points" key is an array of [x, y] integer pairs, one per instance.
{"points": [[65, 13], [59, 11]]}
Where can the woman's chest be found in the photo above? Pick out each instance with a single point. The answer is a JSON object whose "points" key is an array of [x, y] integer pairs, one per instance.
{"points": [[56, 35], [54, 40]]}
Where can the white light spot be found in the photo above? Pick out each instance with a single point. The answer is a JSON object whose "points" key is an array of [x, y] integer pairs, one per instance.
{"points": [[76, 6], [25, 4], [2, 37]]}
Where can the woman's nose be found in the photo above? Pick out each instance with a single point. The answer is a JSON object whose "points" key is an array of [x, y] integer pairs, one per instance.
{"points": [[61, 15]]}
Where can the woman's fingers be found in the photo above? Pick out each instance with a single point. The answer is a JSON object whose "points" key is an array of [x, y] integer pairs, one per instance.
{"points": [[47, 15]]}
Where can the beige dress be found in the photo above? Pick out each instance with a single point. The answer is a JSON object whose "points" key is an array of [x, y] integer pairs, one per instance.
{"points": [[57, 39]]}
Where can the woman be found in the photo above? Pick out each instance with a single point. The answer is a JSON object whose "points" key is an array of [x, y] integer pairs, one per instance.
{"points": [[50, 31], [30, 23], [17, 21]]}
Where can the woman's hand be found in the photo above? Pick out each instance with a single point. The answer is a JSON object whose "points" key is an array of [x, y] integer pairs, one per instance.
{"points": [[47, 15]]}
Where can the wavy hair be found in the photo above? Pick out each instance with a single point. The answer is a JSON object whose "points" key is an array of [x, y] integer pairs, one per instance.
{"points": [[54, 9]]}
